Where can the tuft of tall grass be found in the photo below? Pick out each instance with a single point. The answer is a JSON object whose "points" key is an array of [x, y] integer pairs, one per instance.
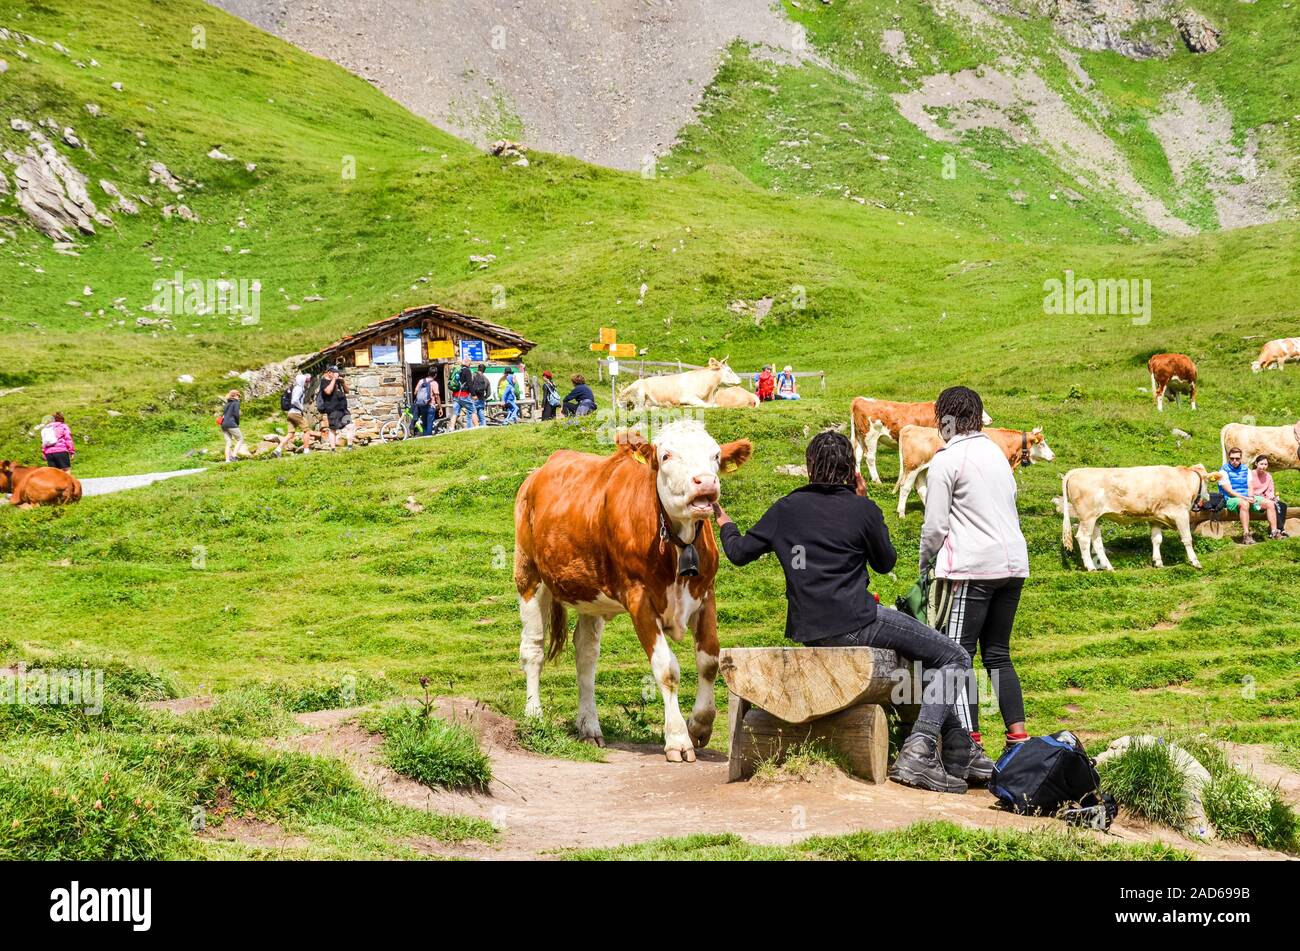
{"points": [[800, 762], [432, 751], [553, 738], [1146, 781]]}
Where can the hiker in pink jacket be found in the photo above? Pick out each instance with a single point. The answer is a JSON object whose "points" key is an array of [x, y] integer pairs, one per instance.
{"points": [[56, 443], [1263, 495]]}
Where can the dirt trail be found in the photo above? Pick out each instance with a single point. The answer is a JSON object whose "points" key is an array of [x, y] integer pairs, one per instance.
{"points": [[543, 804]]}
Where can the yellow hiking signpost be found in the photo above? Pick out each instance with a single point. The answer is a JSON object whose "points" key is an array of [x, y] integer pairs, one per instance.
{"points": [[608, 343]]}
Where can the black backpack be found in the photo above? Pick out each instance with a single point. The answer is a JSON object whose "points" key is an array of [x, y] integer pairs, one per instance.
{"points": [[286, 400], [1044, 774]]}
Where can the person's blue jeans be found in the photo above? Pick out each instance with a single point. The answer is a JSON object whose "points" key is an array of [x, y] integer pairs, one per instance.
{"points": [[512, 412], [465, 408], [480, 410], [424, 413], [910, 639]]}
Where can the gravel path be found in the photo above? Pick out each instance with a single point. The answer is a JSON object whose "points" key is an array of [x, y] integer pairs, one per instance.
{"points": [[108, 484]]}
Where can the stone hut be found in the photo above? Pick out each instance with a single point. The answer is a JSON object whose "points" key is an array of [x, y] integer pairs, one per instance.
{"points": [[383, 362]]}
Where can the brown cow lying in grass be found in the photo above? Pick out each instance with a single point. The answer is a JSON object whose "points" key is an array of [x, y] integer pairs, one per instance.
{"points": [[33, 485]]}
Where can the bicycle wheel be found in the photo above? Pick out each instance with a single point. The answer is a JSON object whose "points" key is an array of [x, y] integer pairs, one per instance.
{"points": [[392, 431]]}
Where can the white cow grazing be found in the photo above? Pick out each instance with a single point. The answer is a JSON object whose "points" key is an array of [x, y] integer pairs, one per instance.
{"points": [[692, 388], [1280, 443], [1160, 496], [1277, 352]]}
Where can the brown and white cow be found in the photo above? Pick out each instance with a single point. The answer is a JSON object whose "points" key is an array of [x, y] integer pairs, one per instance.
{"points": [[1280, 443], [692, 388], [1160, 496], [872, 420], [37, 485], [1277, 352], [1174, 372], [736, 397], [609, 534], [918, 444]]}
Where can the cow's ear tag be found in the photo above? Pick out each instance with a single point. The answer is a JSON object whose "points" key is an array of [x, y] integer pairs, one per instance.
{"points": [[730, 467], [640, 458]]}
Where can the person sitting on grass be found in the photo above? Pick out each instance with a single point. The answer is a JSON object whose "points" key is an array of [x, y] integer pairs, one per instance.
{"points": [[1263, 494], [825, 534], [580, 400], [1234, 487], [787, 387]]}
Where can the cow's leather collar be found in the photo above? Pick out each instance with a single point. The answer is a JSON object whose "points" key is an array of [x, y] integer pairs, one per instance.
{"points": [[688, 559]]}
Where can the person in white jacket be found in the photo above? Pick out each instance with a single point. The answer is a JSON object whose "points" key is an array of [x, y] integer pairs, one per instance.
{"points": [[972, 546]]}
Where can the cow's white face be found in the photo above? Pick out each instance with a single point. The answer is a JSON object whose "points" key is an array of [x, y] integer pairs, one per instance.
{"points": [[687, 462], [728, 377], [1039, 451]]}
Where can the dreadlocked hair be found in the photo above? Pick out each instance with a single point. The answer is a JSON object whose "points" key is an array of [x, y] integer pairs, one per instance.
{"points": [[830, 459], [959, 410]]}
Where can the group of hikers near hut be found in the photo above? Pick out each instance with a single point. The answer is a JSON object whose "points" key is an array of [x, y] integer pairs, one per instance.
{"points": [[827, 532]]}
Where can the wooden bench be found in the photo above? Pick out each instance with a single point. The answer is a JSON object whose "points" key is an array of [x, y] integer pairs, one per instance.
{"points": [[780, 697]]}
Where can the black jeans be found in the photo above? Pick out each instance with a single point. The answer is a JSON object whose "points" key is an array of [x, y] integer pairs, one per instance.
{"points": [[910, 639], [981, 614]]}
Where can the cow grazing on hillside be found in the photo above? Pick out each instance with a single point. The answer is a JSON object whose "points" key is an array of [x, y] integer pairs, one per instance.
{"points": [[692, 388], [628, 532], [918, 444], [37, 485], [1160, 496], [872, 420], [1174, 372], [736, 397], [1277, 352], [1280, 443]]}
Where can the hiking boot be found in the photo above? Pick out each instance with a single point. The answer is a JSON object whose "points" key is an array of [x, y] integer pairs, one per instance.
{"points": [[918, 765], [1248, 539], [963, 758]]}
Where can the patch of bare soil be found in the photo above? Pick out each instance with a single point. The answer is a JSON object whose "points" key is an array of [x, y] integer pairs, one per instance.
{"points": [[1199, 142], [543, 805], [1029, 112], [183, 704], [255, 832], [1258, 761]]}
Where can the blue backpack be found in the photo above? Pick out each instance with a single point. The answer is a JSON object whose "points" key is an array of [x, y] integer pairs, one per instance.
{"points": [[1044, 774]]}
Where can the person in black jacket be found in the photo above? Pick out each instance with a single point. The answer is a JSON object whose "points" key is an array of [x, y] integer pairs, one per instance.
{"points": [[332, 401], [580, 400], [230, 416], [825, 534]]}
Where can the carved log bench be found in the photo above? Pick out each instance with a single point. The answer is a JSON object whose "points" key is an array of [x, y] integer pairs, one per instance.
{"points": [[780, 697]]}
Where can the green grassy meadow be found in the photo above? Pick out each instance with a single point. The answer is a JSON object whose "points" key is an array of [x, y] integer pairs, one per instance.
{"points": [[283, 576]]}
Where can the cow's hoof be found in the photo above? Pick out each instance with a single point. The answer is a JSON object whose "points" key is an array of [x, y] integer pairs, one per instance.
{"points": [[700, 732], [533, 709], [594, 739], [678, 756]]}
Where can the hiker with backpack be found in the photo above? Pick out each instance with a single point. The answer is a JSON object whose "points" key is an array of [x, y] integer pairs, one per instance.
{"points": [[550, 395], [765, 384], [787, 388], [972, 547], [462, 399], [427, 398], [480, 389], [825, 534], [509, 398], [291, 402], [56, 443]]}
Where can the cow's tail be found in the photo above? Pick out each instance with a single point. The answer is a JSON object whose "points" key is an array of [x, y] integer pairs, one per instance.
{"points": [[557, 629], [1067, 540], [1223, 443]]}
